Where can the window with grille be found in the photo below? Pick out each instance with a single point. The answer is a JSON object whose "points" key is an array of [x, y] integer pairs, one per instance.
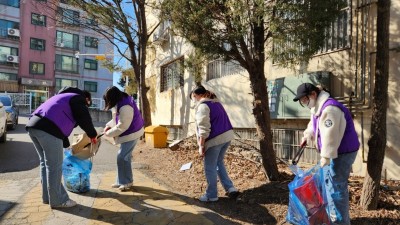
{"points": [[90, 86], [37, 19], [172, 75], [90, 64], [220, 68], [38, 44], [338, 34], [36, 68]]}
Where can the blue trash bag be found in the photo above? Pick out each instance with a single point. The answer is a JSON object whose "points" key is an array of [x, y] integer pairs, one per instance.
{"points": [[307, 198], [76, 173]]}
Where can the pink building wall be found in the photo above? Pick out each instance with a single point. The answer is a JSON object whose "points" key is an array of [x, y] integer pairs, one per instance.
{"points": [[47, 33]]}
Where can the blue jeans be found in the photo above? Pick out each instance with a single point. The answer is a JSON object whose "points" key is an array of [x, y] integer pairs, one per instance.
{"points": [[124, 159], [214, 166], [336, 176], [50, 151]]}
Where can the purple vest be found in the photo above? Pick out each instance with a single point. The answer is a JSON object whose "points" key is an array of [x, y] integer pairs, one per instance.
{"points": [[349, 141], [58, 111], [219, 120], [137, 122]]}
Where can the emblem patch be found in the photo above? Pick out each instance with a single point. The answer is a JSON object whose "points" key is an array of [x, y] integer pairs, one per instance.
{"points": [[328, 123]]}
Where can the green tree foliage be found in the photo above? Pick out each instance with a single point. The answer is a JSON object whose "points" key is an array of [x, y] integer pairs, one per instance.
{"points": [[249, 32], [124, 24]]}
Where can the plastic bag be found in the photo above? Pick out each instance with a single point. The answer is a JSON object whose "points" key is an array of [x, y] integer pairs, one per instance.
{"points": [[76, 173], [307, 199]]}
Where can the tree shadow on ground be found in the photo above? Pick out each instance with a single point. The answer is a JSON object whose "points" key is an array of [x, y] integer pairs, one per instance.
{"points": [[143, 205]]}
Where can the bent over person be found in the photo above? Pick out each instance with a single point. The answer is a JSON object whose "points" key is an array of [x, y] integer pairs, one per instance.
{"points": [[332, 128], [126, 127], [49, 127], [214, 134]]}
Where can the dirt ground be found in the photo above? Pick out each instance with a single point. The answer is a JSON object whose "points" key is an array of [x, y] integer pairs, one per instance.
{"points": [[261, 202]]}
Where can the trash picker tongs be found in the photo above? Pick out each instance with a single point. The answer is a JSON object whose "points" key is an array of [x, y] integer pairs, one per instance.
{"points": [[296, 158], [97, 139]]}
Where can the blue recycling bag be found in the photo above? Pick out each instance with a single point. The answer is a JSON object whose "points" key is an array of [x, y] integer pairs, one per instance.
{"points": [[307, 198], [76, 173]]}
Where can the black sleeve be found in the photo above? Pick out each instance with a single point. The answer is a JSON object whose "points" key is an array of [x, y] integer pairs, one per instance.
{"points": [[82, 116]]}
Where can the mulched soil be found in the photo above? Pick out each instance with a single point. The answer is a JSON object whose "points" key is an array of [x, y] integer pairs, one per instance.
{"points": [[261, 202]]}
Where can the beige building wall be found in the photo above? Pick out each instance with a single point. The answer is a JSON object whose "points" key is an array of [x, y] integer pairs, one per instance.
{"points": [[352, 80]]}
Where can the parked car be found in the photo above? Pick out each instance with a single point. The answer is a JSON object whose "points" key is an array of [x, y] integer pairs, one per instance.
{"points": [[11, 110], [3, 124]]}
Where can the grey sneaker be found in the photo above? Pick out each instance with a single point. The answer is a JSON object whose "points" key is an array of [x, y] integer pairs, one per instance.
{"points": [[125, 187], [115, 185], [204, 198], [68, 204]]}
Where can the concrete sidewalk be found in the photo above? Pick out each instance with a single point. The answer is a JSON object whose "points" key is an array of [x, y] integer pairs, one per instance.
{"points": [[146, 203]]}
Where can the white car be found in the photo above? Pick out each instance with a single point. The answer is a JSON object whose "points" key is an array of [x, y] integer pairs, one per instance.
{"points": [[3, 123]]}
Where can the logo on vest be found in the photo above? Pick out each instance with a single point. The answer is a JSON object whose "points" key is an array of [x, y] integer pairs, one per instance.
{"points": [[328, 123]]}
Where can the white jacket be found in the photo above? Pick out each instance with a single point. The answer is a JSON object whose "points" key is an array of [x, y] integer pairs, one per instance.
{"points": [[331, 124]]}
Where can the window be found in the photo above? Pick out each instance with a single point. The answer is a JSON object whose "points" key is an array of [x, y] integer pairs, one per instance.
{"points": [[5, 51], [36, 68], [13, 3], [69, 16], [8, 76], [37, 19], [5, 24], [67, 40], [91, 42], [90, 64], [60, 83], [92, 22], [220, 68], [338, 35], [38, 44], [90, 86], [66, 64], [172, 75]]}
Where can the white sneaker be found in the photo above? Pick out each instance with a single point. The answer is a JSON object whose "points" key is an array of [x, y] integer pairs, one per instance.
{"points": [[115, 185], [204, 198], [69, 203], [124, 187]]}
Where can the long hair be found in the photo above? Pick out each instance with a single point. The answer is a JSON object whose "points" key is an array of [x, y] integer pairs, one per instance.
{"points": [[202, 91], [112, 96]]}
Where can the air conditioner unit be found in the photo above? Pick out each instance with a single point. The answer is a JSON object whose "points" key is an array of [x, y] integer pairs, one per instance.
{"points": [[12, 58], [13, 32], [60, 44]]}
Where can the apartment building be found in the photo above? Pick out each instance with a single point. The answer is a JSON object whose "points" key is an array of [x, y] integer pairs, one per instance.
{"points": [[45, 46], [345, 65]]}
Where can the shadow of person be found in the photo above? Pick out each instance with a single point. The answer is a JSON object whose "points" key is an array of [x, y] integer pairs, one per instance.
{"points": [[142, 205]]}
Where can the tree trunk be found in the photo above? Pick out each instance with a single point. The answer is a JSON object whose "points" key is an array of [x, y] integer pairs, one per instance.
{"points": [[263, 124], [377, 140]]}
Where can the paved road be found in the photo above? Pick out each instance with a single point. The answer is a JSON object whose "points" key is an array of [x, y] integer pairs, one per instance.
{"points": [[146, 203], [19, 164]]}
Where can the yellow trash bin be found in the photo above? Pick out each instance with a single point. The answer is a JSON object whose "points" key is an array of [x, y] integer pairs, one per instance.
{"points": [[156, 136]]}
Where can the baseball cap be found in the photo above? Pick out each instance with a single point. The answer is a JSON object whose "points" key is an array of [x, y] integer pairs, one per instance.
{"points": [[304, 90]]}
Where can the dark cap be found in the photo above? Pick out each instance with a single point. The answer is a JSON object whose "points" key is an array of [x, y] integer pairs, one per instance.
{"points": [[304, 90]]}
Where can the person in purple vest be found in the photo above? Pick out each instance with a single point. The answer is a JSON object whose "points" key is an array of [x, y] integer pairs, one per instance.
{"points": [[214, 134], [126, 127], [332, 129], [49, 128]]}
